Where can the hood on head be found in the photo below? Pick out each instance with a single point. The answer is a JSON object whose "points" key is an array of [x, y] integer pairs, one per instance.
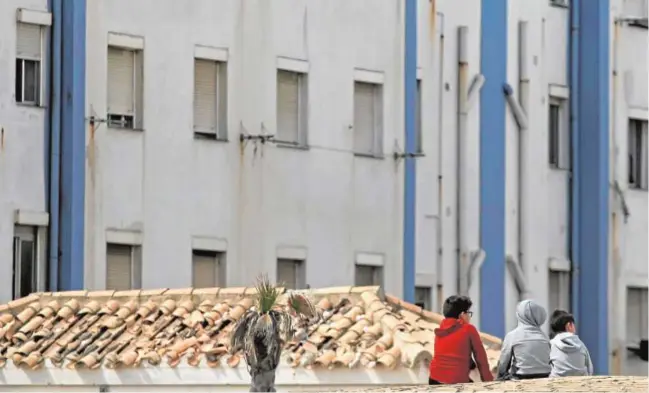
{"points": [[528, 312], [567, 342]]}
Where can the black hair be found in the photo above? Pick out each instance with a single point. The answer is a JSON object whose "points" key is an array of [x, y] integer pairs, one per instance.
{"points": [[559, 319], [456, 305]]}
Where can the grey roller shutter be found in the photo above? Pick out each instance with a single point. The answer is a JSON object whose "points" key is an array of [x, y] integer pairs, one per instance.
{"points": [[364, 118], [120, 81], [287, 273], [205, 271], [118, 267], [288, 106], [28, 41], [205, 95]]}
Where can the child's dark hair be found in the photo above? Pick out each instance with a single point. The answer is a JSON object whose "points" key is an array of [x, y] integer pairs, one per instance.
{"points": [[559, 319], [456, 305]]}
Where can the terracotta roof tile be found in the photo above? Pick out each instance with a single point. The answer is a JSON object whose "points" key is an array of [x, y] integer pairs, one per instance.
{"points": [[359, 328]]}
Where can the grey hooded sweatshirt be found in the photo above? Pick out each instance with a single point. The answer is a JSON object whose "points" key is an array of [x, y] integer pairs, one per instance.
{"points": [[569, 356], [526, 349]]}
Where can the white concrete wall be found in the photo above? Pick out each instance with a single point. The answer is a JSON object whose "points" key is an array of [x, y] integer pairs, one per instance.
{"points": [[629, 256], [164, 183], [22, 144]]}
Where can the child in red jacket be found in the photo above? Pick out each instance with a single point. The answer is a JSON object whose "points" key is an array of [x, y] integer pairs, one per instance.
{"points": [[455, 341]]}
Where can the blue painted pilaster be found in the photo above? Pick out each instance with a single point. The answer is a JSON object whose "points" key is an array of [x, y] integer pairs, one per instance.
{"points": [[410, 181], [493, 64], [73, 143], [590, 84]]}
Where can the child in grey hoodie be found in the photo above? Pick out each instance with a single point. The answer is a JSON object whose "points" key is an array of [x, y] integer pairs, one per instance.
{"points": [[525, 352], [569, 356]]}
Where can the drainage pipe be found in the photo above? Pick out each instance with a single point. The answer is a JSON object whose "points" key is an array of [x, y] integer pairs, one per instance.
{"points": [[440, 155], [54, 142], [462, 226], [410, 177], [576, 170], [523, 143]]}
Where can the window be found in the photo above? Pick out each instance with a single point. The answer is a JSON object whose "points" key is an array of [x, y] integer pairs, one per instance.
{"points": [[292, 107], [123, 267], [290, 273], [28, 64], [636, 310], [440, 298], [422, 297], [208, 269], [368, 118], [210, 99], [29, 271], [559, 292], [638, 154], [367, 275], [419, 147], [558, 134], [125, 81]]}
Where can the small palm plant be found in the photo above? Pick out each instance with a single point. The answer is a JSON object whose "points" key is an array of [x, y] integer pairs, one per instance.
{"points": [[264, 329]]}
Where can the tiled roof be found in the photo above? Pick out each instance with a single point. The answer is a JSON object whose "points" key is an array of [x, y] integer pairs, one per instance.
{"points": [[568, 384], [359, 328]]}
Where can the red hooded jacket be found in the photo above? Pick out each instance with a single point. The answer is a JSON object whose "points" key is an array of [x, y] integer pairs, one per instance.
{"points": [[455, 341]]}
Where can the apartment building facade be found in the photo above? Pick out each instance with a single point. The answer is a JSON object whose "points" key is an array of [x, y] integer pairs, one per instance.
{"points": [[204, 143]]}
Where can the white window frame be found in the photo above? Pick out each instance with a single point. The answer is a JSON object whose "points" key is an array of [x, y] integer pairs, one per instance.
{"points": [[300, 272], [32, 225], [300, 70], [376, 80], [563, 274], [219, 259], [134, 44], [134, 241], [637, 154], [220, 57], [562, 147], [38, 61]]}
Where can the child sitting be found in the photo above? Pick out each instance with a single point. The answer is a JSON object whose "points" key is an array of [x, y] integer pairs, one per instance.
{"points": [[568, 356], [525, 352]]}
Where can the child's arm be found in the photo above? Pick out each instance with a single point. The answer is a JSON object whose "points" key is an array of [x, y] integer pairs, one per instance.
{"points": [[480, 355], [505, 358]]}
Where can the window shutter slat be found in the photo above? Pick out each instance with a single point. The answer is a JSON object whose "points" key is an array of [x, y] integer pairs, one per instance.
{"points": [[205, 97], [205, 271], [287, 106], [363, 117], [118, 267], [120, 81], [28, 42]]}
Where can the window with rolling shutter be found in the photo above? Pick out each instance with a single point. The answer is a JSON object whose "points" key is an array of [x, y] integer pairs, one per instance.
{"points": [[292, 107], [636, 315], [210, 98], [290, 273], [28, 63], [206, 269], [367, 275], [119, 267], [125, 88], [559, 290], [368, 118]]}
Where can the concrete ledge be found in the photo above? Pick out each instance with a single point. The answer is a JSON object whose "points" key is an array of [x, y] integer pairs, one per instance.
{"points": [[34, 17], [294, 65], [369, 76], [125, 41], [211, 53], [33, 218]]}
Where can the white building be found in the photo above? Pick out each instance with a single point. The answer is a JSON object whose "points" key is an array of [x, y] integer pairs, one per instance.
{"points": [[174, 198]]}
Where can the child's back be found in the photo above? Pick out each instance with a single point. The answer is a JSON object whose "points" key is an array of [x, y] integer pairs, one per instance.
{"points": [[569, 356], [525, 351]]}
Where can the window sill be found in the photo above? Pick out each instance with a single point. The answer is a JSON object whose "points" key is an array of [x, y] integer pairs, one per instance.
{"points": [[642, 23], [559, 5], [206, 136], [125, 129], [638, 189], [291, 145], [370, 155], [28, 105]]}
